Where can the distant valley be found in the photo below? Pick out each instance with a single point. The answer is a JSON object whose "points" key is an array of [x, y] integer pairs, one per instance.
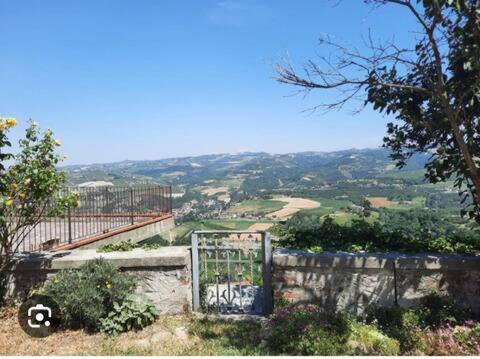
{"points": [[240, 191]]}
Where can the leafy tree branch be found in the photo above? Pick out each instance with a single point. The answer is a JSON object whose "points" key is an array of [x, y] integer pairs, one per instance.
{"points": [[432, 89]]}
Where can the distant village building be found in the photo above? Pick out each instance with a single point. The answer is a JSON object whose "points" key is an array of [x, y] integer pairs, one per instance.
{"points": [[356, 209]]}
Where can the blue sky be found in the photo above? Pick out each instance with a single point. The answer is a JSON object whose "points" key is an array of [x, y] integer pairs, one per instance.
{"points": [[150, 79]]}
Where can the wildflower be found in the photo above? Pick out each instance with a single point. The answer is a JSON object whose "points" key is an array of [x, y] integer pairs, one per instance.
{"points": [[14, 186], [21, 195], [7, 123], [9, 202], [27, 181]]}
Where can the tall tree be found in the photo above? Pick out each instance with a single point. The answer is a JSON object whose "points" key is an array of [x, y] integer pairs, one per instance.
{"points": [[432, 89]]}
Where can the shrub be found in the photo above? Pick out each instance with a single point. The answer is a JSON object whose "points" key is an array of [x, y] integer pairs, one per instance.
{"points": [[468, 336], [124, 246], [441, 341], [368, 340], [408, 324], [127, 246], [132, 314], [300, 329], [313, 233], [452, 340], [440, 311], [399, 323], [88, 294], [307, 330]]}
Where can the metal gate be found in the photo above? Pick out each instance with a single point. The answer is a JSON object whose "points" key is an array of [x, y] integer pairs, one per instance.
{"points": [[232, 272]]}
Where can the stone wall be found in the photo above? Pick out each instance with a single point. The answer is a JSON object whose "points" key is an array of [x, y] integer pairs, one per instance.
{"points": [[353, 282], [334, 281], [164, 275]]}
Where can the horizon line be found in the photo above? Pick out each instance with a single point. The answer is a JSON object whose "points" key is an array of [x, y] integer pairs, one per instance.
{"points": [[225, 154]]}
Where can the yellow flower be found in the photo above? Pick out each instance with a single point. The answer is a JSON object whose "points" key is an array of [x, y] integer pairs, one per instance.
{"points": [[9, 202], [14, 185], [11, 122], [21, 195], [7, 123], [109, 285], [57, 142], [27, 181]]}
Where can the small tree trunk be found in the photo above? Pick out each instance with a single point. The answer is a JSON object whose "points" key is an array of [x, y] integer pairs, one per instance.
{"points": [[472, 167]]}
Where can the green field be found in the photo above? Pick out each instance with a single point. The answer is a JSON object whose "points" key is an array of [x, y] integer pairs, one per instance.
{"points": [[408, 175], [346, 217], [416, 202], [183, 231], [257, 206]]}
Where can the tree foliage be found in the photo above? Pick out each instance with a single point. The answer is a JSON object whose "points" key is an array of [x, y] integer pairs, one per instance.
{"points": [[432, 89], [400, 233], [29, 186]]}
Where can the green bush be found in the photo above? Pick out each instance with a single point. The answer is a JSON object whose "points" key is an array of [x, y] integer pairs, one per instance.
{"points": [[314, 233], [127, 246], [399, 323], [452, 340], [407, 324], [132, 314], [307, 330], [87, 294], [124, 246], [368, 340], [300, 329]]}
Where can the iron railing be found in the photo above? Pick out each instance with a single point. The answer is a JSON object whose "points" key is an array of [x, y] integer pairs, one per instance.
{"points": [[100, 210]]}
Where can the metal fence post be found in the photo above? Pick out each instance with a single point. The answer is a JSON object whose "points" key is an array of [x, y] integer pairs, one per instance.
{"points": [[195, 274], [69, 218], [132, 221], [267, 273]]}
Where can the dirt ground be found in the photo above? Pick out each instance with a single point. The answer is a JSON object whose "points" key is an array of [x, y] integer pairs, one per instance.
{"points": [[380, 202], [260, 226], [169, 335], [214, 190], [294, 204], [224, 197], [166, 336]]}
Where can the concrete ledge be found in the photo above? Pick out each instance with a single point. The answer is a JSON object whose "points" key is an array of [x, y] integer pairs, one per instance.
{"points": [[298, 259], [135, 233], [162, 257]]}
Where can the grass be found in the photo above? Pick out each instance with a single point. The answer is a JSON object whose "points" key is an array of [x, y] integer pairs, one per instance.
{"points": [[327, 206], [319, 211], [416, 202], [345, 218], [258, 206], [169, 335]]}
